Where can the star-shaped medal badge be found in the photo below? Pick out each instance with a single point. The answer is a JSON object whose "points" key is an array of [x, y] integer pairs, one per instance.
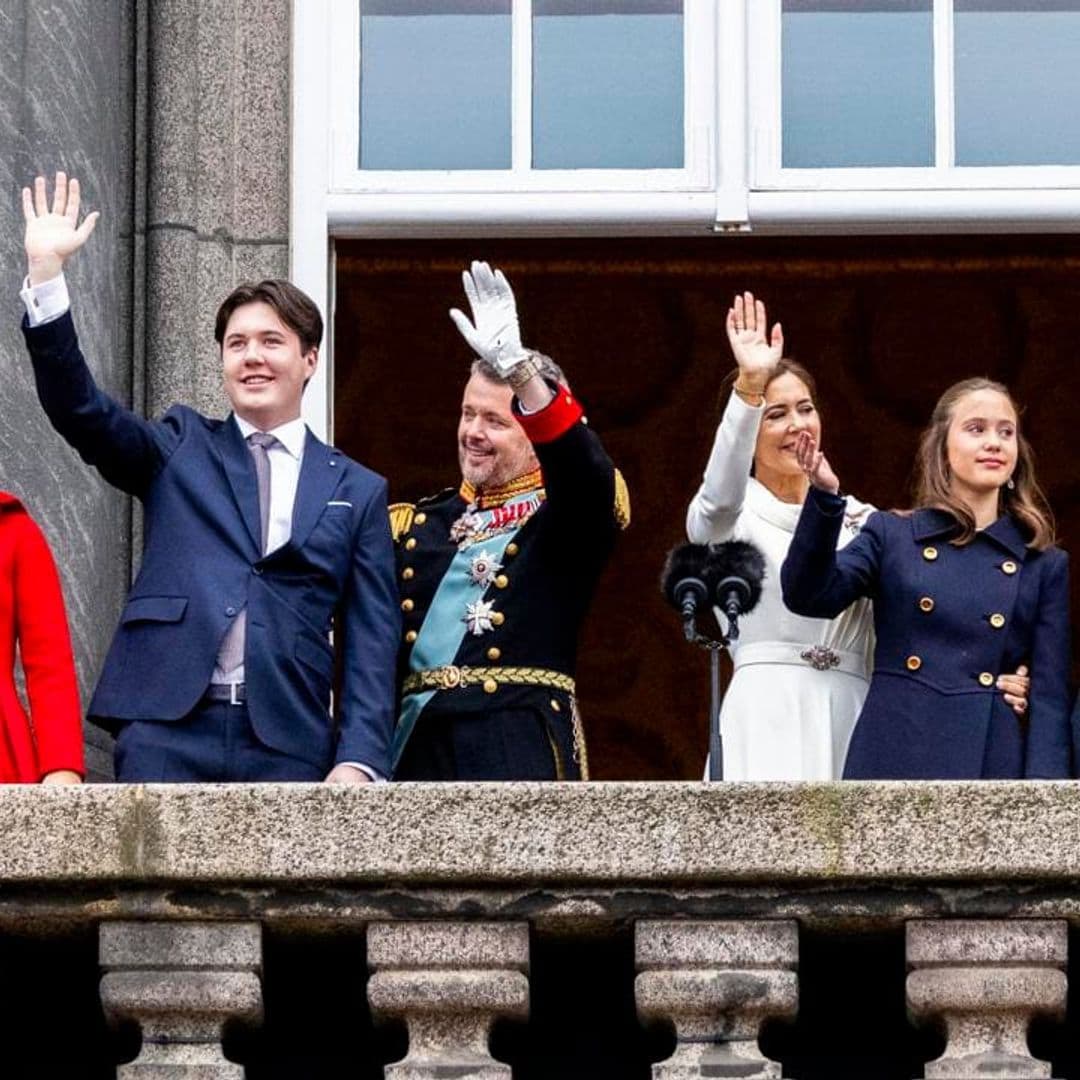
{"points": [[478, 617], [466, 526], [483, 568]]}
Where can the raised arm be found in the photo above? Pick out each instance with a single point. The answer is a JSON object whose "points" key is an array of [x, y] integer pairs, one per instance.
{"points": [[713, 510]]}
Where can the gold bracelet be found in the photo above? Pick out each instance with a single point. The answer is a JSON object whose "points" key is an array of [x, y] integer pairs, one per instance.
{"points": [[747, 394]]}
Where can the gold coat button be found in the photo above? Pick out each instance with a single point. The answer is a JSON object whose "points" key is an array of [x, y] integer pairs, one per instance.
{"points": [[493, 653], [986, 679], [420, 518], [556, 707], [502, 581], [410, 637], [1008, 567], [512, 550], [997, 620], [914, 663], [407, 573], [410, 543], [498, 618], [490, 686], [926, 604], [929, 553], [407, 605]]}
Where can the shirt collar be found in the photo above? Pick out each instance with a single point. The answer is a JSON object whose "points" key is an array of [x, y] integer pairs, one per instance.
{"points": [[291, 435]]}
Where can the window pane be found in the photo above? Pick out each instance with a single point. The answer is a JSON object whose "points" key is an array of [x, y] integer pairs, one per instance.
{"points": [[607, 84], [858, 81], [1017, 82], [435, 84]]}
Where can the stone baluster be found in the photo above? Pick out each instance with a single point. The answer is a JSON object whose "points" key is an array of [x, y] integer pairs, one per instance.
{"points": [[716, 982], [449, 982], [985, 980], [181, 982]]}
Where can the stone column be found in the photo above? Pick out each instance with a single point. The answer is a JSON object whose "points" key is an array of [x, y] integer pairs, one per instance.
{"points": [[449, 982], [985, 980], [181, 983], [716, 982]]}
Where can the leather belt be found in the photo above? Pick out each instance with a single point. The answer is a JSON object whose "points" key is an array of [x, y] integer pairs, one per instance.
{"points": [[452, 677], [234, 693]]}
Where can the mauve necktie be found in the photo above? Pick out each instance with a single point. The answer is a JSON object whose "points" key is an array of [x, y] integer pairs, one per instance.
{"points": [[231, 654]]}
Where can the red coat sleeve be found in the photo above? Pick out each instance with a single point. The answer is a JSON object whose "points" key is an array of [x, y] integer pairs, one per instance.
{"points": [[45, 650]]}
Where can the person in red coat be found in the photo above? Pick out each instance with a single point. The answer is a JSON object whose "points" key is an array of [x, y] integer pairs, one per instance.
{"points": [[47, 745]]}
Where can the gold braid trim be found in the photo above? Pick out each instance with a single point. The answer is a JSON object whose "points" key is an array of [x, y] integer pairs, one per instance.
{"points": [[581, 753], [401, 517], [452, 677], [622, 501], [486, 498]]}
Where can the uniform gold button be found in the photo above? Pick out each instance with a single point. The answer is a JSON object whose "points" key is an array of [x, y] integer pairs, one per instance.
{"points": [[502, 581], [407, 605], [498, 618], [986, 679], [512, 550], [997, 620], [410, 543], [420, 518], [490, 686], [926, 604], [1008, 567], [555, 705], [914, 663], [929, 553], [410, 637], [407, 573], [493, 653]]}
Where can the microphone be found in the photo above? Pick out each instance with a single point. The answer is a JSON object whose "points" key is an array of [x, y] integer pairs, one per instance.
{"points": [[683, 582], [736, 570]]}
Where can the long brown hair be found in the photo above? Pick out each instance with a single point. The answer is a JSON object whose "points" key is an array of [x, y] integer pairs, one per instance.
{"points": [[1024, 500]]}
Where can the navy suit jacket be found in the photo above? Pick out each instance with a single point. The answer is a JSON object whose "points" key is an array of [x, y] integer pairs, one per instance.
{"points": [[202, 564]]}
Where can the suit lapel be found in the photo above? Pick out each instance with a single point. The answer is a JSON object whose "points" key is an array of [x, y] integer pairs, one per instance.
{"points": [[240, 470], [320, 473]]}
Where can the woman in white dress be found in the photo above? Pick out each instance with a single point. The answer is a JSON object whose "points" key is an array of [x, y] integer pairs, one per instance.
{"points": [[799, 683]]}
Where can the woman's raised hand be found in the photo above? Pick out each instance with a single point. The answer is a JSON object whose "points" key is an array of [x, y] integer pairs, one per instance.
{"points": [[756, 351], [814, 464]]}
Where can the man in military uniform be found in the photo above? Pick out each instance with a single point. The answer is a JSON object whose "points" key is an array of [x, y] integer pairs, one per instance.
{"points": [[496, 577]]}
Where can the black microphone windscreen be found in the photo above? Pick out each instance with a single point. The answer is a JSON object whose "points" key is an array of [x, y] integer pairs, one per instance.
{"points": [[685, 562], [737, 559]]}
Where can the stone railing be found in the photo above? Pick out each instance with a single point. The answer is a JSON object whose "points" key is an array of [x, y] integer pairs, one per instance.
{"points": [[448, 894]]}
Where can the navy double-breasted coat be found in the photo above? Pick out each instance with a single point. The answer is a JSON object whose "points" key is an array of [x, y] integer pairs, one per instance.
{"points": [[949, 619]]}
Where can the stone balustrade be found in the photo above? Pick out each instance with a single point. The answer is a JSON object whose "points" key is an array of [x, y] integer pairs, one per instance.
{"points": [[443, 896]]}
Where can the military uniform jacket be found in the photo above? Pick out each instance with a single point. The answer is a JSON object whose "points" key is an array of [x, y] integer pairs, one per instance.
{"points": [[948, 620], [542, 581]]}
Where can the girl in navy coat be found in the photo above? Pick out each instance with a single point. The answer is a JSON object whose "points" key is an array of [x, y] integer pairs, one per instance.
{"points": [[967, 585]]}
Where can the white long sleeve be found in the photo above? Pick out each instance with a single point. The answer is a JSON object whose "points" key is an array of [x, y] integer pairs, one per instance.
{"points": [[713, 510], [45, 302]]}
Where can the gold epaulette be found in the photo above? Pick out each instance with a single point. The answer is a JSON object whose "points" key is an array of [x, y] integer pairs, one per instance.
{"points": [[622, 501], [401, 515]]}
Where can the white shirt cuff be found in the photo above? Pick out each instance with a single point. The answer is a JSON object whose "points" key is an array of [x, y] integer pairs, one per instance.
{"points": [[47, 301], [377, 778]]}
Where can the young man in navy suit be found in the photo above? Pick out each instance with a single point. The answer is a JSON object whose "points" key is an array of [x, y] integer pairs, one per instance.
{"points": [[257, 535]]}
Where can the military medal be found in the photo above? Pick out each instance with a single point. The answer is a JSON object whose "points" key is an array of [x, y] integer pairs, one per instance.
{"points": [[483, 568], [467, 526], [478, 617]]}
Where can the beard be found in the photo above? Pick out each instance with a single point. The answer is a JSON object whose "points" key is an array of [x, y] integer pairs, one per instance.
{"points": [[495, 470]]}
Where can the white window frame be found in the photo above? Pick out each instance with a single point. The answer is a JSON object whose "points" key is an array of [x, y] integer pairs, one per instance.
{"points": [[766, 102], [522, 200]]}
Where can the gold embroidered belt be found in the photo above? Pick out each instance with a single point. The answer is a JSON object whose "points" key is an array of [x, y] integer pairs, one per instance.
{"points": [[452, 677]]}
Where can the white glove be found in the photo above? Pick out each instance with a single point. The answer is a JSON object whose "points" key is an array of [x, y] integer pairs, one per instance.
{"points": [[496, 336]]}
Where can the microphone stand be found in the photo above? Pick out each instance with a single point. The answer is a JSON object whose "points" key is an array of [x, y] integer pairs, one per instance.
{"points": [[716, 744]]}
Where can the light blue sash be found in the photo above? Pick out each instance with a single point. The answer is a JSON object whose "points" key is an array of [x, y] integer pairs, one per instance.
{"points": [[444, 626]]}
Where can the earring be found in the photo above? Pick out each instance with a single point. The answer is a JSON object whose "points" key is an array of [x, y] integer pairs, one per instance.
{"points": [[1010, 483]]}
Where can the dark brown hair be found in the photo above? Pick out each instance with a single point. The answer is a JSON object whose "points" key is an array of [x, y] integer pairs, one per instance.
{"points": [[933, 477], [293, 306], [784, 366]]}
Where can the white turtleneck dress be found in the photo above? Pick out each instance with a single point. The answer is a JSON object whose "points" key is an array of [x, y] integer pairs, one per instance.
{"points": [[785, 716]]}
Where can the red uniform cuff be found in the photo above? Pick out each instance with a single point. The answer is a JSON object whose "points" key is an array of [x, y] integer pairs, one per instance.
{"points": [[554, 419]]}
